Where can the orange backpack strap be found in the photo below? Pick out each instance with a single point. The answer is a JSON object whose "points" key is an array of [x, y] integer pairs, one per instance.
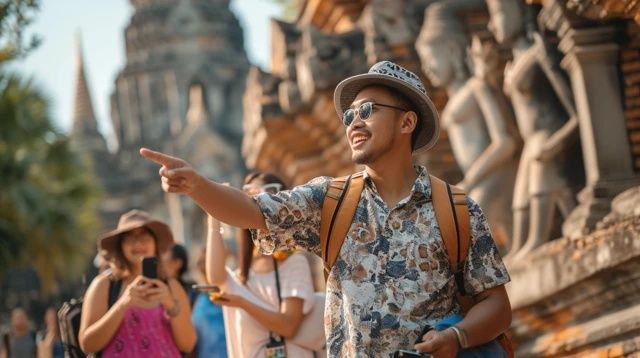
{"points": [[338, 208], [452, 214]]}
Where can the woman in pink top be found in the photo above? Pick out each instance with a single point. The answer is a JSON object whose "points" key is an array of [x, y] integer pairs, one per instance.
{"points": [[151, 317]]}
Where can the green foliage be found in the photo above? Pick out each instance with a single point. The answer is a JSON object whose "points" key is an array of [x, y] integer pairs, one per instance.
{"points": [[48, 199], [15, 16]]}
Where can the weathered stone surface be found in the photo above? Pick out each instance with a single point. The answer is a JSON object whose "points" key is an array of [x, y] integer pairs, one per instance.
{"points": [[326, 59], [563, 289]]}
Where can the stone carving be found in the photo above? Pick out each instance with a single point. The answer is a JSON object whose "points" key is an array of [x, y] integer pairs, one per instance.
{"points": [[284, 43], [476, 117], [387, 33], [324, 60], [548, 124], [390, 28]]}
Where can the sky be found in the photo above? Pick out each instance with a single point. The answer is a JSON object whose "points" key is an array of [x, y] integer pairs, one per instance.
{"points": [[101, 26]]}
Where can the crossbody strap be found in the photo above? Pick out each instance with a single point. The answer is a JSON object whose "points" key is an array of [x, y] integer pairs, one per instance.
{"points": [[275, 270]]}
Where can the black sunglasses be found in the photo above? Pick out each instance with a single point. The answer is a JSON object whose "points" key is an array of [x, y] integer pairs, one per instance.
{"points": [[364, 111]]}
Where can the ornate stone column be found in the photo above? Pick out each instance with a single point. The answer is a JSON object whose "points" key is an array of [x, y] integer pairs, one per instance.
{"points": [[592, 61]]}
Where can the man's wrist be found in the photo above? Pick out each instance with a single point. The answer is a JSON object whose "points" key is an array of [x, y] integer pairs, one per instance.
{"points": [[461, 335]]}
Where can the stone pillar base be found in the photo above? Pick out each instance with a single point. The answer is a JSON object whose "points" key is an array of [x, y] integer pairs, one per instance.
{"points": [[594, 203]]}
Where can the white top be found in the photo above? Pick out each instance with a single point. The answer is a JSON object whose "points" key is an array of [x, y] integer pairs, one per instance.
{"points": [[245, 336]]}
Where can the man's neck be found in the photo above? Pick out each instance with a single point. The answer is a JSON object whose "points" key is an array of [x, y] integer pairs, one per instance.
{"points": [[394, 180]]}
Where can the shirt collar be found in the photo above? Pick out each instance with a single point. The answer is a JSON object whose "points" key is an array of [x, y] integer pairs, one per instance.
{"points": [[421, 185]]}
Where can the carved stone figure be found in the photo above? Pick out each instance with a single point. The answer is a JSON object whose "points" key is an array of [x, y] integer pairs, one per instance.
{"points": [[476, 117], [326, 59], [388, 34], [284, 45], [547, 121]]}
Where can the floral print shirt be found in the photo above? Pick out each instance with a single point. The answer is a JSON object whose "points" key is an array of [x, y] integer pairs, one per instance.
{"points": [[392, 276]]}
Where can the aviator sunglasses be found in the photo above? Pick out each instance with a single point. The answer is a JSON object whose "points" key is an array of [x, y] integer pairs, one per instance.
{"points": [[364, 111]]}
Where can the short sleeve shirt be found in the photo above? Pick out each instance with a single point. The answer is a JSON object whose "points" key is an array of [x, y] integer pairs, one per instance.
{"points": [[392, 275]]}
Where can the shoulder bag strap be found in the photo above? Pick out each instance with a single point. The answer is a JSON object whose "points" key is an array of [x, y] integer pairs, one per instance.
{"points": [[275, 270], [339, 207], [452, 214], [114, 291]]}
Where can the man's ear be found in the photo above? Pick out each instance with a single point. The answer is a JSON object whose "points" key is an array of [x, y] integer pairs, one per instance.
{"points": [[408, 122]]}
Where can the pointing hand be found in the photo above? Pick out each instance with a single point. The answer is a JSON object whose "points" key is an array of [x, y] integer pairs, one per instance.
{"points": [[177, 175]]}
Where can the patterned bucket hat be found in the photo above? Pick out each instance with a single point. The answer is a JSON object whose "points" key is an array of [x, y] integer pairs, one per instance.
{"points": [[135, 219], [397, 77]]}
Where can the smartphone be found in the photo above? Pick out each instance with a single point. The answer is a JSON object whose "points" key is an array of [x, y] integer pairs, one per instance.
{"points": [[206, 288], [150, 267], [212, 290], [405, 353]]}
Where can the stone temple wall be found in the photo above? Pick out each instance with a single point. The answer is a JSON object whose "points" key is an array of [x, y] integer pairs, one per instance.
{"points": [[540, 113]]}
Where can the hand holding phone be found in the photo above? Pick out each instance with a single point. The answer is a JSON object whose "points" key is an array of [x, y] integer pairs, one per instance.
{"points": [[212, 290]]}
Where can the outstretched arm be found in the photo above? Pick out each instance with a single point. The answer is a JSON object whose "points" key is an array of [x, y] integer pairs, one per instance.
{"points": [[223, 202]]}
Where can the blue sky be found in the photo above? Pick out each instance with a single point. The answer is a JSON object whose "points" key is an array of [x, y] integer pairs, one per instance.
{"points": [[101, 24]]}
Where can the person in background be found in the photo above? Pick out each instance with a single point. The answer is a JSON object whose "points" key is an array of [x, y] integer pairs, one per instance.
{"points": [[151, 317], [176, 265], [20, 341], [48, 340], [208, 321], [254, 314]]}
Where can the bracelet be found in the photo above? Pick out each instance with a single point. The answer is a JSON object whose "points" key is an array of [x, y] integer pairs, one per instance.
{"points": [[175, 310], [462, 337]]}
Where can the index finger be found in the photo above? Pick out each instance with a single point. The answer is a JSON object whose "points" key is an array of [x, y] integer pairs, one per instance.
{"points": [[160, 158]]}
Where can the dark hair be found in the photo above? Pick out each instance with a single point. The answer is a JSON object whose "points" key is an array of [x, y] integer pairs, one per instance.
{"points": [[179, 252], [245, 241], [117, 256]]}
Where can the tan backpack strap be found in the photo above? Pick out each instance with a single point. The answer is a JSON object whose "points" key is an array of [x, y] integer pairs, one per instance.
{"points": [[338, 208], [329, 206], [452, 214]]}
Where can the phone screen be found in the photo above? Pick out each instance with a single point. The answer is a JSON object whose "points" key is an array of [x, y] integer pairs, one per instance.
{"points": [[150, 267]]}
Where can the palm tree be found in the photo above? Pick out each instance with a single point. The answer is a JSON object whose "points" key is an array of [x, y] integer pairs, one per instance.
{"points": [[47, 195]]}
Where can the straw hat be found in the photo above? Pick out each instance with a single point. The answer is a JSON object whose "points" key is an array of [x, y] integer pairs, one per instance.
{"points": [[392, 75], [136, 219]]}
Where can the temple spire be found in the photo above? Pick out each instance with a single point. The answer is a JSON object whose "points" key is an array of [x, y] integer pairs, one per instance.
{"points": [[84, 119]]}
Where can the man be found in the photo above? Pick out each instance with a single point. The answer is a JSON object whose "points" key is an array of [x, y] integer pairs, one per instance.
{"points": [[392, 276]]}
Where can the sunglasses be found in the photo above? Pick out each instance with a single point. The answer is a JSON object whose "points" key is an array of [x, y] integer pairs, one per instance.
{"points": [[271, 188], [364, 111]]}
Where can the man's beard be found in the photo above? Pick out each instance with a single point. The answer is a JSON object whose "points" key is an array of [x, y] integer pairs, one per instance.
{"points": [[369, 156]]}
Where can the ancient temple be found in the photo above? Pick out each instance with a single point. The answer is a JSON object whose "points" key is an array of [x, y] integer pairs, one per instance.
{"points": [[540, 111], [180, 91]]}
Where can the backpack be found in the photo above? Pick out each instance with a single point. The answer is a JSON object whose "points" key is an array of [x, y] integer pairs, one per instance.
{"points": [[452, 214], [69, 321]]}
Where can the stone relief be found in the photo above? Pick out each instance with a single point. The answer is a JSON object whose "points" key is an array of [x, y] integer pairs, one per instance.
{"points": [[326, 59], [548, 124], [476, 117]]}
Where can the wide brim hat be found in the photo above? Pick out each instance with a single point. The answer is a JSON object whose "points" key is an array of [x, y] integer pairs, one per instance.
{"points": [[136, 219], [392, 75]]}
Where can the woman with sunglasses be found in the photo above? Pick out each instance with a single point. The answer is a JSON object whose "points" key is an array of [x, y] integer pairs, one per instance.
{"points": [[255, 316]]}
